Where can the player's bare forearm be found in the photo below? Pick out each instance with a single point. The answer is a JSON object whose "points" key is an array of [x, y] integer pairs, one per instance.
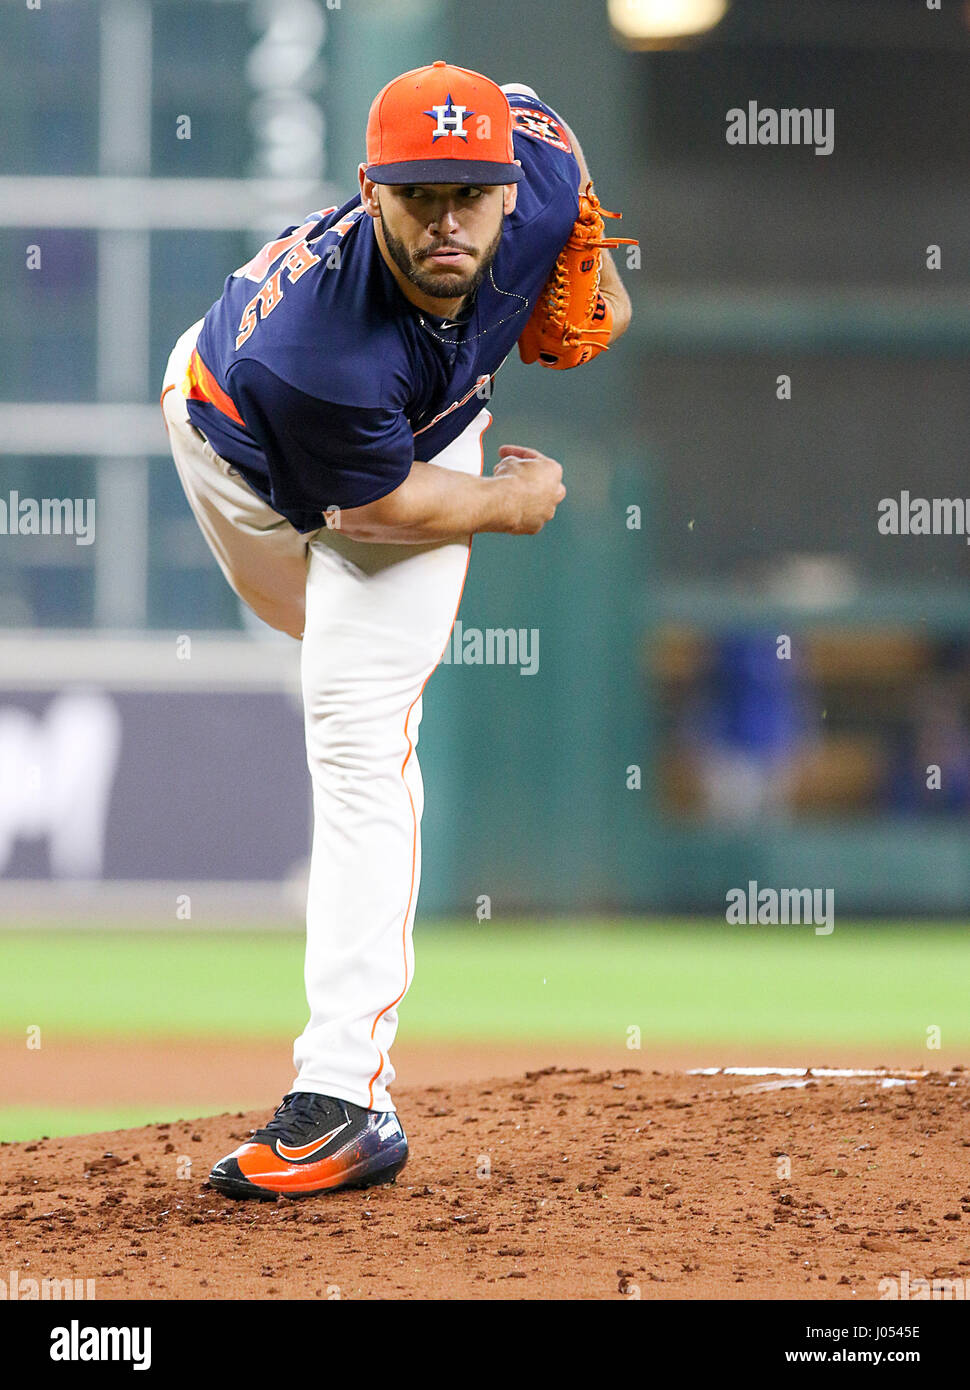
{"points": [[440, 504], [432, 504], [611, 286], [613, 289]]}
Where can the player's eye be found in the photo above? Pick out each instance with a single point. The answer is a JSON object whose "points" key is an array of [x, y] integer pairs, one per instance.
{"points": [[469, 191]]}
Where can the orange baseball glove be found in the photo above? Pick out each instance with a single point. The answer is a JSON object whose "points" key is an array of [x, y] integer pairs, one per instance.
{"points": [[571, 321]]}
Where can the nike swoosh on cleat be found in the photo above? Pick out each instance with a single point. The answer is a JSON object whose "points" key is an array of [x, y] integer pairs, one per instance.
{"points": [[308, 1150]]}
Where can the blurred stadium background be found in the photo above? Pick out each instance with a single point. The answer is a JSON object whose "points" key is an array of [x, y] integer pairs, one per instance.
{"points": [[151, 763]]}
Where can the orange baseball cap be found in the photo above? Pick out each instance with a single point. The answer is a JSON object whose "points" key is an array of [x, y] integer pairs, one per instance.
{"points": [[441, 124]]}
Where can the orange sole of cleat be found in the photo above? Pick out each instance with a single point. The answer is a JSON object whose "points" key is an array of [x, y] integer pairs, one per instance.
{"points": [[264, 1177]]}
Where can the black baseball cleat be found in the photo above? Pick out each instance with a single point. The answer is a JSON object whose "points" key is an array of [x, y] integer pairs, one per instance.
{"points": [[314, 1144]]}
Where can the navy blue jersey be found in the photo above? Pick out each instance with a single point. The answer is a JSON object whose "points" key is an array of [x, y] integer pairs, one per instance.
{"points": [[322, 383]]}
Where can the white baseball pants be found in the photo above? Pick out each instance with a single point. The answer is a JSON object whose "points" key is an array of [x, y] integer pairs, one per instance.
{"points": [[375, 620]]}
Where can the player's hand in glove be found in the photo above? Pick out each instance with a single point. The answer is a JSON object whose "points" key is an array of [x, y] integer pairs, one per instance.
{"points": [[539, 490], [572, 321]]}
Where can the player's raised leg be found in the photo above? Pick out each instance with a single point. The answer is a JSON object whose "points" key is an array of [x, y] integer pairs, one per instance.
{"points": [[262, 556]]}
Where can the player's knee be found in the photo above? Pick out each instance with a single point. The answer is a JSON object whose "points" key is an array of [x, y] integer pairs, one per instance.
{"points": [[289, 619], [356, 743]]}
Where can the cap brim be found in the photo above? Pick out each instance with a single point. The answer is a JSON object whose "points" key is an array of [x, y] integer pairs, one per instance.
{"points": [[445, 171]]}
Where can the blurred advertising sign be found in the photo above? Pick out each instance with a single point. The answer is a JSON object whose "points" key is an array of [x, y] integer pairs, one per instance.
{"points": [[57, 774], [152, 775]]}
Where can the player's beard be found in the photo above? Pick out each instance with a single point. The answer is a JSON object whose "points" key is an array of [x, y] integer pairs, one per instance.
{"points": [[438, 286]]}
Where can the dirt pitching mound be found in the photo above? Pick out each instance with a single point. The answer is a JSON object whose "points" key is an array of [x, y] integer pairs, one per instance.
{"points": [[555, 1184]]}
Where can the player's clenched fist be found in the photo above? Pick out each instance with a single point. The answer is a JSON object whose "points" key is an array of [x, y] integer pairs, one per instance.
{"points": [[538, 486]]}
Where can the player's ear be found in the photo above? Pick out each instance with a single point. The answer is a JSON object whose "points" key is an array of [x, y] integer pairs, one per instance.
{"points": [[511, 193], [368, 192]]}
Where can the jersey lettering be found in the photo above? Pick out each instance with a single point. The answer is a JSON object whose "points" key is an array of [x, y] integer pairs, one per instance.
{"points": [[344, 225], [298, 260], [271, 294], [247, 323], [256, 269]]}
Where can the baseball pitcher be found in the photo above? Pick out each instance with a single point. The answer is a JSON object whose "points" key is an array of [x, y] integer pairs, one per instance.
{"points": [[326, 420]]}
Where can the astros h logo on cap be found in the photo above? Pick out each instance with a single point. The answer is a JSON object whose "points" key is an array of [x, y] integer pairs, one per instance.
{"points": [[441, 124]]}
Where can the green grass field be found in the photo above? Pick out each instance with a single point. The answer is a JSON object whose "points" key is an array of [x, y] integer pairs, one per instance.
{"points": [[681, 982]]}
